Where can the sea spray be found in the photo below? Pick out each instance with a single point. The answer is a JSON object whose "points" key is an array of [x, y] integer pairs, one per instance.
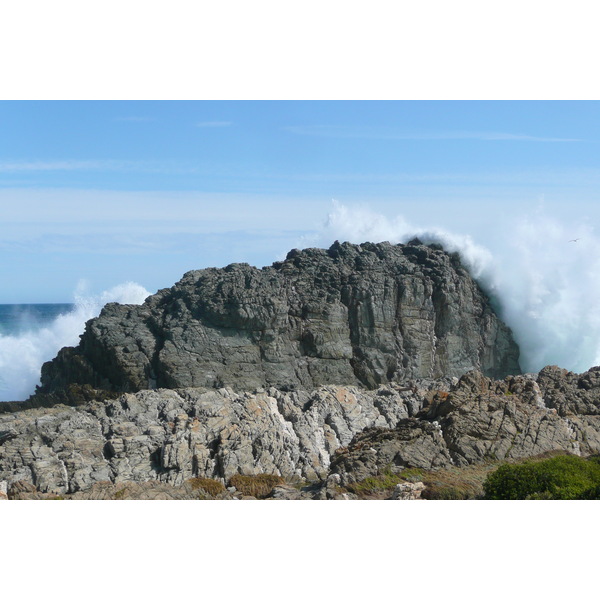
{"points": [[22, 354], [542, 274]]}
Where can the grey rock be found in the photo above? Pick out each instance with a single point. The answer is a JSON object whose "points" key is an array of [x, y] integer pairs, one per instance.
{"points": [[570, 393], [412, 443], [362, 315], [478, 420], [171, 436], [150, 444], [6, 435], [408, 491], [484, 419], [288, 492], [332, 436]]}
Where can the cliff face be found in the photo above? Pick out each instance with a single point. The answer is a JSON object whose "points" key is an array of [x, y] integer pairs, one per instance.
{"points": [[361, 315]]}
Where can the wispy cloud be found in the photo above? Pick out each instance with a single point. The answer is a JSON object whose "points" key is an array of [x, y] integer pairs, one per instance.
{"points": [[129, 166], [214, 124], [70, 210], [389, 134], [60, 165]]}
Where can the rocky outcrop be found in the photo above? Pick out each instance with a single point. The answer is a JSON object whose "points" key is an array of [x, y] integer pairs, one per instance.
{"points": [[571, 393], [362, 315], [335, 435], [412, 443], [325, 371], [171, 436], [481, 420]]}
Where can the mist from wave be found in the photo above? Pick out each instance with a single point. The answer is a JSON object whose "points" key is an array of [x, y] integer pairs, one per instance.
{"points": [[541, 272], [23, 352], [543, 283]]}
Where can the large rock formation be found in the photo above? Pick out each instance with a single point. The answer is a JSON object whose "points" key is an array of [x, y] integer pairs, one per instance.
{"points": [[362, 315]]}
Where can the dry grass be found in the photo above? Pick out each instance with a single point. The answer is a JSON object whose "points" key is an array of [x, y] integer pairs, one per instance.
{"points": [[373, 486], [211, 486], [457, 483], [259, 486], [380, 486]]}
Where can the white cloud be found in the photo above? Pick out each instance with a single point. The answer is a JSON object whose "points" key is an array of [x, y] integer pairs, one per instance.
{"points": [[61, 165], [126, 166]]}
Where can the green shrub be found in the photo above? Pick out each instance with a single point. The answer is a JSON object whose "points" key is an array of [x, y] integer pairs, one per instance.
{"points": [[558, 478]]}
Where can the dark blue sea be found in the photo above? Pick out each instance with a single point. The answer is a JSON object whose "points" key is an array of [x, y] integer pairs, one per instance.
{"points": [[16, 319], [31, 334]]}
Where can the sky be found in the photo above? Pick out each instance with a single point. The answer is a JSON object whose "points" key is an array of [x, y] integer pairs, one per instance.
{"points": [[97, 193]]}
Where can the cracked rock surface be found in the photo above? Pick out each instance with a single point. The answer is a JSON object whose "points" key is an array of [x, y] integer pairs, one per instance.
{"points": [[481, 419], [171, 436], [332, 434], [365, 315]]}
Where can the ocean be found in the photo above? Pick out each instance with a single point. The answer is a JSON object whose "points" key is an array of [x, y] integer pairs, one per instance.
{"points": [[32, 334], [17, 319]]}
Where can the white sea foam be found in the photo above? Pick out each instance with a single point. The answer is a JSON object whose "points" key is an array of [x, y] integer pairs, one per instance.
{"points": [[545, 286], [22, 355]]}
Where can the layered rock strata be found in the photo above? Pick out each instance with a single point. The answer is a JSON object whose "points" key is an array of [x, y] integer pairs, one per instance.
{"points": [[173, 435], [363, 315], [483, 420], [335, 434]]}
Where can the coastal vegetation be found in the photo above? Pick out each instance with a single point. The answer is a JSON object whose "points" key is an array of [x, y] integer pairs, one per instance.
{"points": [[259, 486], [556, 478]]}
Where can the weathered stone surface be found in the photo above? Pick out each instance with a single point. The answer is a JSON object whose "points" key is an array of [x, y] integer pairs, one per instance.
{"points": [[336, 435], [412, 443], [350, 315], [571, 393], [408, 491], [511, 419], [288, 492], [478, 420], [171, 436]]}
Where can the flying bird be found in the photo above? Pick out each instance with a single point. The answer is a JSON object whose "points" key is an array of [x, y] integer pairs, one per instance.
{"points": [[575, 240]]}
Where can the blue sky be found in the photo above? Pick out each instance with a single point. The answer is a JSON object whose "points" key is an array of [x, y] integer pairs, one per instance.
{"points": [[106, 192]]}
